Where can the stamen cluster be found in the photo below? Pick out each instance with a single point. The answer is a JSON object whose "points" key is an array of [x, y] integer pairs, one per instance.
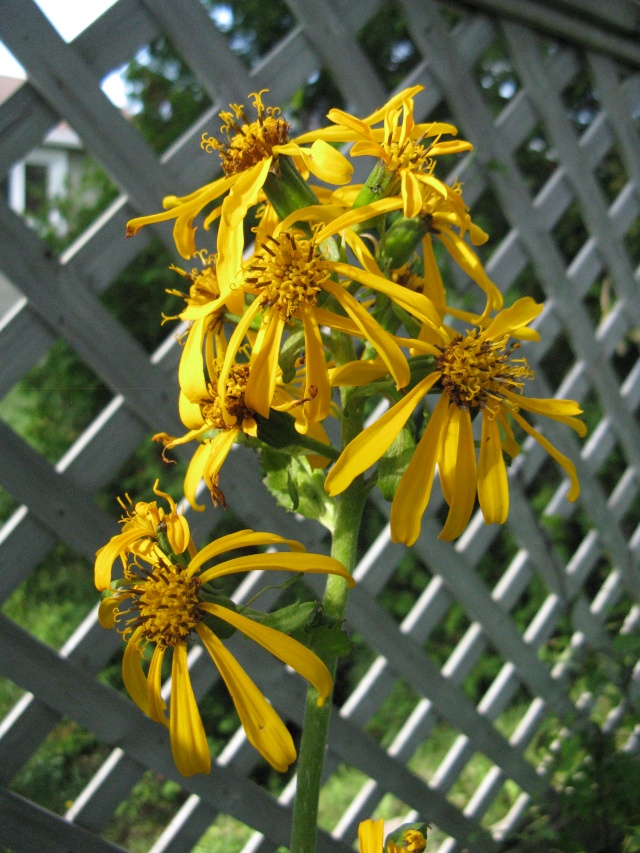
{"points": [[248, 142], [288, 272], [475, 370], [165, 603], [233, 402]]}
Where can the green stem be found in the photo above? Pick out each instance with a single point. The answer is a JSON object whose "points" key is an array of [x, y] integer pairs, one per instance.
{"points": [[349, 507]]}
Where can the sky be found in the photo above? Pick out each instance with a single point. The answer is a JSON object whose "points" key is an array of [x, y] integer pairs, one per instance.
{"points": [[69, 17]]}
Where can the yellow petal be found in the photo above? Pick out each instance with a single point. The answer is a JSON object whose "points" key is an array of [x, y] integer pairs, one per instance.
{"points": [[493, 488], [285, 648], [359, 214], [234, 345], [178, 532], [340, 117], [190, 413], [219, 448], [108, 554], [433, 286], [383, 343], [371, 836], [316, 375], [157, 705], [194, 474], [314, 564], [470, 263], [414, 303], [188, 739], [132, 673], [244, 192], [264, 728], [240, 539], [328, 164], [520, 314], [451, 146], [373, 442], [414, 489], [464, 493], [264, 365], [229, 265], [191, 369], [558, 410], [356, 373], [411, 195], [560, 458], [107, 612]]}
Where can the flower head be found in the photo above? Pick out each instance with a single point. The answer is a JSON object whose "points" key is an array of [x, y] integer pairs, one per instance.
{"points": [[163, 600], [371, 838], [400, 143], [478, 374]]}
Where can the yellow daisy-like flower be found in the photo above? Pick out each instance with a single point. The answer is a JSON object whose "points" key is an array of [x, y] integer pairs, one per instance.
{"points": [[477, 373], [287, 275], [162, 600], [398, 144], [138, 535], [250, 152], [371, 838]]}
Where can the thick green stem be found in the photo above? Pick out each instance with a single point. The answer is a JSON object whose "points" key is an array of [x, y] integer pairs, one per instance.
{"points": [[349, 507]]}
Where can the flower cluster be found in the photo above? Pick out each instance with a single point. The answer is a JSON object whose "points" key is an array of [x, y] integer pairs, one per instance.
{"points": [[339, 302], [354, 263]]}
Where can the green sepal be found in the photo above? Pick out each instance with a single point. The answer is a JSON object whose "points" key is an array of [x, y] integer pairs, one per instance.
{"points": [[288, 191], [380, 184], [223, 630], [289, 354], [402, 239], [286, 619], [297, 487], [325, 637], [394, 463], [397, 836]]}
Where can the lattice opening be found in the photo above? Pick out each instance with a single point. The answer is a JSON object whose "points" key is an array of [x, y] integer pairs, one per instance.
{"points": [[611, 173], [536, 159], [8, 505], [54, 401], [138, 296], [142, 815], [570, 233], [10, 693], [497, 76], [60, 767], [54, 599], [632, 242], [156, 81], [580, 96], [250, 36], [395, 55]]}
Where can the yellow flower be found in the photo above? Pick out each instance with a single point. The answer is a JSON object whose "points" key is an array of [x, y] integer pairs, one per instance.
{"points": [[371, 838], [250, 152], [398, 143], [139, 536], [217, 421], [477, 373], [287, 276], [162, 600]]}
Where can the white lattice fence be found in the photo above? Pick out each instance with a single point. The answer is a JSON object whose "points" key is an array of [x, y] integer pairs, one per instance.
{"points": [[491, 575]]}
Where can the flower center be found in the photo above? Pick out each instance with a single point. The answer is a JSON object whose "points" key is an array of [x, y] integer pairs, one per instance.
{"points": [[406, 277], [248, 142], [288, 273], [165, 603], [409, 154], [475, 370], [233, 401]]}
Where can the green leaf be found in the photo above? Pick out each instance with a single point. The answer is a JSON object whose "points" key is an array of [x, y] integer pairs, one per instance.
{"points": [[394, 463], [324, 636], [296, 486], [287, 619]]}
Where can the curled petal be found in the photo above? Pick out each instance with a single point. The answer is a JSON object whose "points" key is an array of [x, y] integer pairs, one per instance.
{"points": [[188, 739], [510, 320], [108, 554], [285, 648], [264, 365], [240, 539], [195, 473], [132, 673], [157, 705], [493, 488], [414, 489], [264, 728], [315, 564], [464, 483], [373, 442], [560, 458]]}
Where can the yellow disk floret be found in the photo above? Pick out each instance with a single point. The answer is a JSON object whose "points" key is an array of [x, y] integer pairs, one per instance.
{"points": [[476, 370], [248, 142], [287, 272]]}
